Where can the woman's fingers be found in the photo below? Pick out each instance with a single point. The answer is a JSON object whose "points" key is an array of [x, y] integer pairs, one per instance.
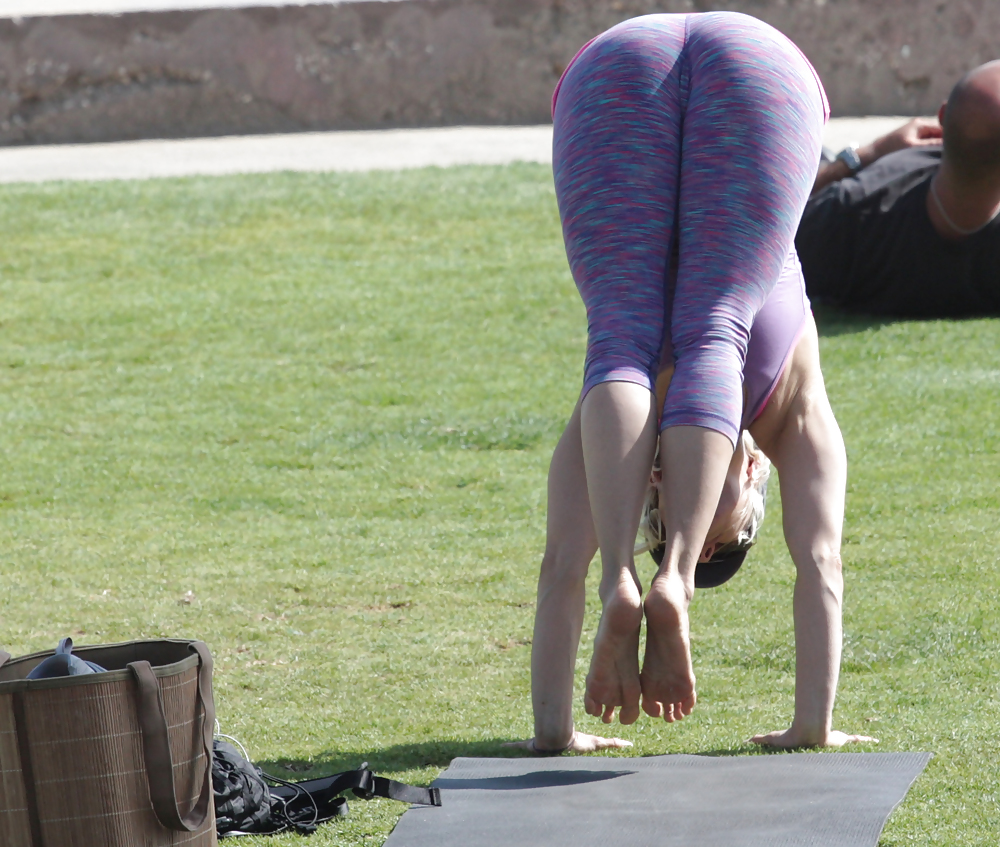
{"points": [[580, 743], [839, 739], [788, 739], [583, 743]]}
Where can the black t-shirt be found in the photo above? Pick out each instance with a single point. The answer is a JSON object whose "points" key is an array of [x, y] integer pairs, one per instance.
{"points": [[867, 244]]}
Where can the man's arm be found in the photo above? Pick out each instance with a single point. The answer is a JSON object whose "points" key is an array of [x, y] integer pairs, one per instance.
{"points": [[919, 132]]}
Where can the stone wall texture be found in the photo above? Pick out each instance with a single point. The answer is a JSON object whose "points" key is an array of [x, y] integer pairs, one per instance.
{"points": [[355, 65]]}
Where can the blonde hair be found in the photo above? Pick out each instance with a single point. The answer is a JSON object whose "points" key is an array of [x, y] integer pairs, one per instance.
{"points": [[752, 513], [756, 500]]}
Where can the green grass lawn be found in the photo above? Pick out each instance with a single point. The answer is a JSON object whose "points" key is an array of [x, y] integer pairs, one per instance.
{"points": [[308, 419]]}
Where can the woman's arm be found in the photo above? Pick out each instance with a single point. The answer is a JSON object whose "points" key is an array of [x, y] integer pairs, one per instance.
{"points": [[571, 543], [812, 467]]}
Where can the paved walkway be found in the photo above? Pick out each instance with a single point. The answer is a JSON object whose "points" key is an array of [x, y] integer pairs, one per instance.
{"points": [[44, 8], [321, 151]]}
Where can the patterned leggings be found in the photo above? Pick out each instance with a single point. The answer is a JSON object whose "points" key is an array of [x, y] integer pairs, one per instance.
{"points": [[704, 129]]}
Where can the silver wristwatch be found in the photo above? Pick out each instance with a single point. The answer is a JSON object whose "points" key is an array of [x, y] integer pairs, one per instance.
{"points": [[849, 156]]}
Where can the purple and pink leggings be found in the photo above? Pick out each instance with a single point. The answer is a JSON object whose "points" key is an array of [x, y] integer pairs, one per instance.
{"points": [[704, 129]]}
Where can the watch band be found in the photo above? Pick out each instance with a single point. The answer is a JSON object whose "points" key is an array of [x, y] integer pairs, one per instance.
{"points": [[849, 156]]}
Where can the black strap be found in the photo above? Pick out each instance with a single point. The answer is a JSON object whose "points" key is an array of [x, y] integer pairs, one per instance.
{"points": [[383, 787], [302, 806], [363, 783]]}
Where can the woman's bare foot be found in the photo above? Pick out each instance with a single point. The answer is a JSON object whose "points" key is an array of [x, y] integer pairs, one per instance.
{"points": [[613, 680], [667, 677]]}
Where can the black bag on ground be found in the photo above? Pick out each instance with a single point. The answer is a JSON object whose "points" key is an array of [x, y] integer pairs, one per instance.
{"points": [[245, 804], [242, 799]]}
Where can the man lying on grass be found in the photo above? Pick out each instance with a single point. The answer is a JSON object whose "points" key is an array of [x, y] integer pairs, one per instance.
{"points": [[908, 226]]}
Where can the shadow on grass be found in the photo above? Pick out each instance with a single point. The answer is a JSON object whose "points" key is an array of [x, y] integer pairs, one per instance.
{"points": [[398, 757], [405, 757], [831, 321], [749, 749]]}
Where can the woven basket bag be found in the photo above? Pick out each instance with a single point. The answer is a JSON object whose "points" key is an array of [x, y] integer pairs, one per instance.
{"points": [[116, 759]]}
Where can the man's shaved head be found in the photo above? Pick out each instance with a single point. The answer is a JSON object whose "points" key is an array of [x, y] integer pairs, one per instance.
{"points": [[972, 125]]}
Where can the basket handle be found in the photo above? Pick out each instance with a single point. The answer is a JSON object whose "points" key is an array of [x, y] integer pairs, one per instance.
{"points": [[4, 658], [156, 744]]}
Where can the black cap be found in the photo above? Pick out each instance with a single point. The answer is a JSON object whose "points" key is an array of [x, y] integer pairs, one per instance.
{"points": [[715, 571]]}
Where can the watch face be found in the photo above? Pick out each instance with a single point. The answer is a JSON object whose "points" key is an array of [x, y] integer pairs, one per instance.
{"points": [[849, 156]]}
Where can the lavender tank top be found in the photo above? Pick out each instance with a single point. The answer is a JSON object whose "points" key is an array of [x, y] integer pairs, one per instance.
{"points": [[773, 335]]}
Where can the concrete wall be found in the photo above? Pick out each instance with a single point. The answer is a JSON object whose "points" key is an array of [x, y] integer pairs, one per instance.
{"points": [[343, 65]]}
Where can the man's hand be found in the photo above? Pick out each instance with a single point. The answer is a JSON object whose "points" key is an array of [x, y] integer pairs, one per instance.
{"points": [[580, 743], [791, 739], [920, 132]]}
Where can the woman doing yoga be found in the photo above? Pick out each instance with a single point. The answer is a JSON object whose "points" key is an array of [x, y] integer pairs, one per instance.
{"points": [[685, 147]]}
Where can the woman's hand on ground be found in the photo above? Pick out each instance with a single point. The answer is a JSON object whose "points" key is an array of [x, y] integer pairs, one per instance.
{"points": [[580, 743], [790, 739]]}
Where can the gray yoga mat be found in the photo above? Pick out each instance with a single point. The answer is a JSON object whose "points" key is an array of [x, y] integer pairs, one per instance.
{"points": [[828, 799]]}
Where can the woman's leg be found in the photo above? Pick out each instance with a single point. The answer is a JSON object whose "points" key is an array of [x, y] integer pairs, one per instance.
{"points": [[749, 151], [618, 426], [750, 148], [616, 163], [694, 461]]}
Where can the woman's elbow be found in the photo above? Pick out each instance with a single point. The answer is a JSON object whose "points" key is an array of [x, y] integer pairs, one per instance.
{"points": [[823, 568]]}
